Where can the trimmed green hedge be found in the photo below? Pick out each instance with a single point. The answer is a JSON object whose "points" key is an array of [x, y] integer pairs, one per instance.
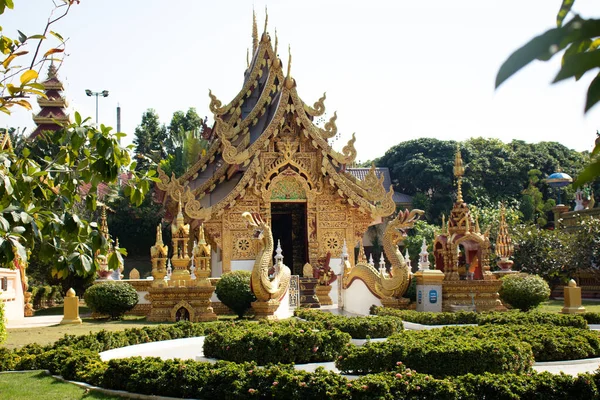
{"points": [[440, 352], [275, 342], [111, 298], [2, 326], [357, 327], [433, 351], [515, 318]]}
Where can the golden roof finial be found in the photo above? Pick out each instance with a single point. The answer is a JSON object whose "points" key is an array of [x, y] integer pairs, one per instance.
{"points": [[104, 224], [276, 42], [247, 58], [254, 33], [179, 212], [504, 246], [477, 229], [159, 240], [266, 21], [201, 239], [443, 222], [459, 169], [289, 61]]}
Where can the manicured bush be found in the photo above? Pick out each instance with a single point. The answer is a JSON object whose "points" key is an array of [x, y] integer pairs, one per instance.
{"points": [[233, 289], [274, 343], [2, 324], [591, 317], [440, 352], [111, 298], [524, 291], [357, 327], [428, 318]]}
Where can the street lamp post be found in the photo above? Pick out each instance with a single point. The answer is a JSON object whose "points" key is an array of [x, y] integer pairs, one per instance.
{"points": [[103, 93]]}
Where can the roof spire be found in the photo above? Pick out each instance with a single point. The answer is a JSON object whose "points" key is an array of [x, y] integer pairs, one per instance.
{"points": [[247, 58], [266, 21], [276, 42], [254, 32], [459, 171], [289, 61]]}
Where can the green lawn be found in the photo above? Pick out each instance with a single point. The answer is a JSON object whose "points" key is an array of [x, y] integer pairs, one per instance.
{"points": [[58, 310], [37, 385], [554, 306]]}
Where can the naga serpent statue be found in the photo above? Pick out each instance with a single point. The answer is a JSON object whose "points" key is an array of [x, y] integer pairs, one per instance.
{"points": [[396, 284], [266, 286]]}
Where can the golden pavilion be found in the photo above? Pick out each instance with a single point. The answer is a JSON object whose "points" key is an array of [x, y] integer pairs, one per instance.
{"points": [[268, 156]]}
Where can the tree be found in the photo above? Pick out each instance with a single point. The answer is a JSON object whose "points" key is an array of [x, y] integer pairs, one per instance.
{"points": [[185, 122], [579, 38], [40, 196], [414, 241], [150, 140]]}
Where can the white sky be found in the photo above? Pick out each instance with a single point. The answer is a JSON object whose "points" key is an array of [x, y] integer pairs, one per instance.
{"points": [[394, 70]]}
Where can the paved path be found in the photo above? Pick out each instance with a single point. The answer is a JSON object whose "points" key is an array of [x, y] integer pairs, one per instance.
{"points": [[34, 322]]}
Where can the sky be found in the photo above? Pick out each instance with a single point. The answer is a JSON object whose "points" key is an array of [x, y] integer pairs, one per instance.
{"points": [[393, 70]]}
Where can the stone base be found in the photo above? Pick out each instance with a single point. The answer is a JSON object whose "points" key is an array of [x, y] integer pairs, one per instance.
{"points": [[573, 310], [181, 303], [502, 273], [265, 309], [308, 296], [71, 321], [400, 304], [479, 293], [323, 295], [141, 310]]}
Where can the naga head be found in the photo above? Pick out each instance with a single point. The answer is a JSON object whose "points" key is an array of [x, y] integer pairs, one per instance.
{"points": [[404, 221], [255, 222]]}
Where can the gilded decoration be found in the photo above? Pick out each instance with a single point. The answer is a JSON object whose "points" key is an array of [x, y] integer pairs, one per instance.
{"points": [[381, 284], [288, 188]]}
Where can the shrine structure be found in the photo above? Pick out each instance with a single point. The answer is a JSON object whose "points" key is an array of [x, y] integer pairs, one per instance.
{"points": [[53, 107], [462, 253], [268, 156]]}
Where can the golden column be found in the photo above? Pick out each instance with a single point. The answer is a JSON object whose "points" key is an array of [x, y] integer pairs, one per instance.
{"points": [[158, 255], [201, 254], [180, 232]]}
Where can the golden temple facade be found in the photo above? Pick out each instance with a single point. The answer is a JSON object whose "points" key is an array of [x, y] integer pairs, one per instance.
{"points": [[268, 156]]}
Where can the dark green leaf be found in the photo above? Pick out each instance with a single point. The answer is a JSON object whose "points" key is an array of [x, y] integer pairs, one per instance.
{"points": [[591, 172], [593, 94], [578, 64]]}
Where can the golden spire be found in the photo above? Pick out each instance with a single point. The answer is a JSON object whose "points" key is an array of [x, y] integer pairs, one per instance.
{"points": [[247, 58], [443, 222], [159, 240], [289, 61], [276, 41], [266, 21], [104, 224], [254, 33], [180, 221], [362, 257], [201, 239], [504, 246], [477, 229], [459, 171]]}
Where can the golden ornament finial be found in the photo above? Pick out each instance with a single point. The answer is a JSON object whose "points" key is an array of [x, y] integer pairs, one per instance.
{"points": [[179, 212], [477, 229], [289, 61], [266, 20], [104, 224], [201, 239], [247, 58], [159, 235], [254, 33], [276, 42], [459, 169], [504, 246], [443, 222]]}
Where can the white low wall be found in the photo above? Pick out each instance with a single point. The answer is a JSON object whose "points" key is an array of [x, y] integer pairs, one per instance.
{"points": [[12, 297], [241, 265], [283, 311], [358, 299]]}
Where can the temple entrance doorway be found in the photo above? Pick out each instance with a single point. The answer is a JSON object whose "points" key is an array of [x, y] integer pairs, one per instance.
{"points": [[182, 315], [288, 224]]}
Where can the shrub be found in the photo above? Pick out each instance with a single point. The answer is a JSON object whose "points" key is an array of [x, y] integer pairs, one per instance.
{"points": [[524, 291], [111, 298], [2, 324], [357, 327], [233, 289], [275, 343], [440, 352], [428, 318], [411, 292]]}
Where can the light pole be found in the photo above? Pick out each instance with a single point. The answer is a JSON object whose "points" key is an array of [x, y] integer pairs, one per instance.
{"points": [[104, 93]]}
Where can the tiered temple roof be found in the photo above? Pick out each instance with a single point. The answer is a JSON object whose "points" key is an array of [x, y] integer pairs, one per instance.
{"points": [[53, 107], [268, 107]]}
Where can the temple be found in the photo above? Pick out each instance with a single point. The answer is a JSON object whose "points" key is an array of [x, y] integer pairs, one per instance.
{"points": [[52, 111], [267, 156]]}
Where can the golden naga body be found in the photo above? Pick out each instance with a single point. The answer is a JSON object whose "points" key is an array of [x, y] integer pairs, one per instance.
{"points": [[396, 283], [266, 286]]}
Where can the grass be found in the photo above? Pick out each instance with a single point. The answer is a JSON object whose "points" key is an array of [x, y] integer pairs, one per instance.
{"points": [[37, 385], [554, 306], [58, 310], [49, 334]]}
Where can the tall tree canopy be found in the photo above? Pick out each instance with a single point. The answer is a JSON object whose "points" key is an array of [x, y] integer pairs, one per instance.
{"points": [[150, 139]]}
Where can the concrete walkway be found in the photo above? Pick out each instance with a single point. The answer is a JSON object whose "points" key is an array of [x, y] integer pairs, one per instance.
{"points": [[34, 322]]}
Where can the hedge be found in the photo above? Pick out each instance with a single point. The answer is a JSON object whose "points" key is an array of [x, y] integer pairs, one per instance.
{"points": [[276, 342], [517, 318], [441, 352], [434, 351], [357, 327], [2, 322]]}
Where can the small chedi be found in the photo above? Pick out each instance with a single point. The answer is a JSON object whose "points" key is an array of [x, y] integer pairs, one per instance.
{"points": [[387, 288], [462, 252], [504, 245], [181, 296], [270, 283]]}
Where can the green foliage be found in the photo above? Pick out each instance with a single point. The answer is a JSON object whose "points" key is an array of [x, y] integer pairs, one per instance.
{"points": [[274, 343], [491, 318], [2, 322], [188, 147], [411, 292], [440, 352], [489, 220], [150, 140], [524, 291], [111, 298], [357, 327], [233, 289]]}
